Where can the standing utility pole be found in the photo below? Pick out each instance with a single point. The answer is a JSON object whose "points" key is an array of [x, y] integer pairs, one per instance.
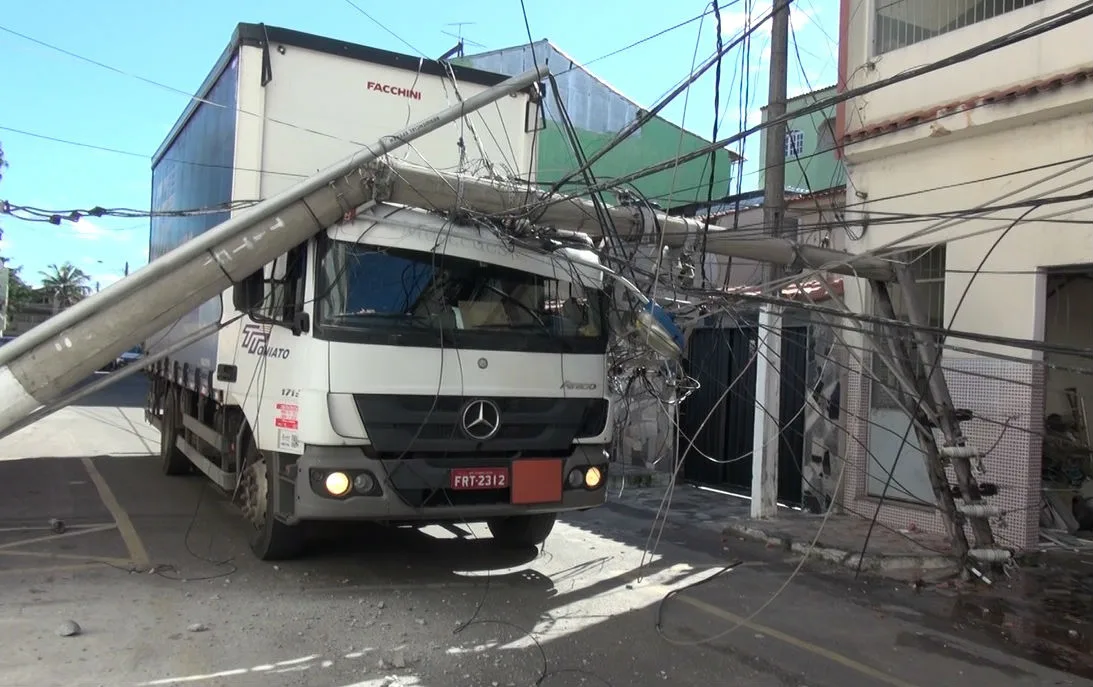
{"points": [[766, 438]]}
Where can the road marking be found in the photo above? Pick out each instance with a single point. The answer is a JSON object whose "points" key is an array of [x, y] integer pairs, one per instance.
{"points": [[109, 560], [53, 537], [795, 641], [125, 526], [75, 567], [46, 528], [350, 587]]}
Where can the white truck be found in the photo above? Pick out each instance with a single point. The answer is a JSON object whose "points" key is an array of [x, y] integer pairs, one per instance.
{"points": [[399, 366]]}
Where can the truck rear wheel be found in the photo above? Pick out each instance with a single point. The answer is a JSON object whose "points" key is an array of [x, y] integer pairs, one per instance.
{"points": [[172, 460], [522, 531], [270, 539]]}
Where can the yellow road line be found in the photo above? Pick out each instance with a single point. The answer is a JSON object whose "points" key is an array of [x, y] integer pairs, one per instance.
{"points": [[830, 655], [68, 557], [53, 537], [125, 526]]}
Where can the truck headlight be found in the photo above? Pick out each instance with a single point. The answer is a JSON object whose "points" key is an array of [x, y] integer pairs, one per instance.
{"points": [[593, 477], [337, 483]]}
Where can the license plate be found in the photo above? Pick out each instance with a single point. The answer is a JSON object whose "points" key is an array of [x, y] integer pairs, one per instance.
{"points": [[480, 478]]}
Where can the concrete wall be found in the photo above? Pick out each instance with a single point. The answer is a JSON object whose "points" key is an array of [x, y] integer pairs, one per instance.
{"points": [[985, 152], [27, 317], [1060, 51]]}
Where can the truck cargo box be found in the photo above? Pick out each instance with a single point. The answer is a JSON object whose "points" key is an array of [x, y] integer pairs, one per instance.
{"points": [[280, 105]]}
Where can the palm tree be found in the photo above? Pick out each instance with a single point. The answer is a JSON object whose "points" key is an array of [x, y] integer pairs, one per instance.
{"points": [[67, 284]]}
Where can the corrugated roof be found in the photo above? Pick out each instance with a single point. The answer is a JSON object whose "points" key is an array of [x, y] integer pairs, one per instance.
{"points": [[1031, 88], [577, 65]]}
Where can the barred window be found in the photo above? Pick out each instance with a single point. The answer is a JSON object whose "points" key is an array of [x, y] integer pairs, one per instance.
{"points": [[899, 23]]}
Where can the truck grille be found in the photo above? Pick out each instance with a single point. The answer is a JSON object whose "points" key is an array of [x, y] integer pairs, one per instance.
{"points": [[430, 426]]}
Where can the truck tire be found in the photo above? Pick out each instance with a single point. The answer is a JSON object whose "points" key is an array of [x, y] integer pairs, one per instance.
{"points": [[522, 531], [270, 539], [172, 460]]}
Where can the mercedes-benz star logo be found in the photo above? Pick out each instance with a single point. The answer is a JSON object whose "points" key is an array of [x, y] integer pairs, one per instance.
{"points": [[481, 419]]}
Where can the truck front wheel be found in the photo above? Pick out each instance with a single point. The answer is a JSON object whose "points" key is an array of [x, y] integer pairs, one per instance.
{"points": [[270, 539], [522, 531]]}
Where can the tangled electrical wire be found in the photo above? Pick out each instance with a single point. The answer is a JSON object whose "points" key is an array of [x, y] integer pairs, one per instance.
{"points": [[29, 213]]}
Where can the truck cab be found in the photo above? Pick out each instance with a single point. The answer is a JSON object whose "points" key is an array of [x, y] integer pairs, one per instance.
{"points": [[403, 368]]}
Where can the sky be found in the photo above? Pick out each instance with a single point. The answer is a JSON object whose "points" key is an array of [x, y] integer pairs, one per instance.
{"points": [[116, 105]]}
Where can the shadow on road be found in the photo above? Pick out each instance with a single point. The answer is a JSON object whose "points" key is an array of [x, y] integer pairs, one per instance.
{"points": [[127, 392]]}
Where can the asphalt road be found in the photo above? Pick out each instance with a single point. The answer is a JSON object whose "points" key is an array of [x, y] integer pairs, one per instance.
{"points": [[157, 574]]}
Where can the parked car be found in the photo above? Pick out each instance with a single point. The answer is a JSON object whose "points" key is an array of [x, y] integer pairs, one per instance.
{"points": [[132, 355]]}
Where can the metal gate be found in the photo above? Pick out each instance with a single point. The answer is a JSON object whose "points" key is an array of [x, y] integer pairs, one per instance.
{"points": [[721, 454]]}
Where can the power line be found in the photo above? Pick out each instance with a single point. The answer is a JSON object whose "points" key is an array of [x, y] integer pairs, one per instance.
{"points": [[1032, 30], [647, 115], [79, 144], [642, 41], [383, 26]]}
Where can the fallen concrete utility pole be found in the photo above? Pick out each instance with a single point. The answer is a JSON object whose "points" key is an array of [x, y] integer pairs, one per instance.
{"points": [[408, 184], [42, 364]]}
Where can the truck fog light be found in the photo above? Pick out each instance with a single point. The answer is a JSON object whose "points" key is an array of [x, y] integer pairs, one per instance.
{"points": [[575, 478], [364, 483], [592, 478], [337, 483]]}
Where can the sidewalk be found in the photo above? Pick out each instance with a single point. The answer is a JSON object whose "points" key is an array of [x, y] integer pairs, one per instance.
{"points": [[898, 555]]}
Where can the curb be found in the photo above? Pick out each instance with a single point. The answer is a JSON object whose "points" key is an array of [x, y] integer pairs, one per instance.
{"points": [[638, 480], [882, 564]]}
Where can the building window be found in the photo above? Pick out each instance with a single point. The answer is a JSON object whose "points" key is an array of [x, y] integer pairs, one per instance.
{"points": [[899, 23], [927, 265], [795, 143]]}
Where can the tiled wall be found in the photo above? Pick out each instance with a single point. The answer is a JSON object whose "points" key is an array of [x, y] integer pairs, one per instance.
{"points": [[1007, 398]]}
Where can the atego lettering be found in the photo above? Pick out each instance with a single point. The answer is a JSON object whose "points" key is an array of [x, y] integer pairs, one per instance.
{"points": [[398, 91], [256, 342]]}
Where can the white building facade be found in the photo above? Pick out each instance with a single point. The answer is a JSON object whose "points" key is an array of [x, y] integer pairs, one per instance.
{"points": [[1006, 128]]}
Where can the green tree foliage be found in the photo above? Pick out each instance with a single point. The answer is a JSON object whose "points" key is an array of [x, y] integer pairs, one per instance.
{"points": [[65, 284]]}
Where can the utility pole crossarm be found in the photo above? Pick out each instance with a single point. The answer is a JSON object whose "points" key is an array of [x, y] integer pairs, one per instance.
{"points": [[409, 184]]}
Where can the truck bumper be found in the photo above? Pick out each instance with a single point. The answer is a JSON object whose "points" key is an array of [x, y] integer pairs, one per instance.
{"points": [[417, 490]]}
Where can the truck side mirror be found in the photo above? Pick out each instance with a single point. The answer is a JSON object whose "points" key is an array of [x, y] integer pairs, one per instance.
{"points": [[248, 294], [301, 323]]}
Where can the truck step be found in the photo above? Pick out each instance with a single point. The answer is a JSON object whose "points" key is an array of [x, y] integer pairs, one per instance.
{"points": [[224, 480]]}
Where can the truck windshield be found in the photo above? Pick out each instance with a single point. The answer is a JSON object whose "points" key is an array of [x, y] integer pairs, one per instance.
{"points": [[384, 295]]}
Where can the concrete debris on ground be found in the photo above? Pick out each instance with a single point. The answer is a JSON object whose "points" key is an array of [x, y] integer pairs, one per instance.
{"points": [[621, 476], [69, 628], [904, 554]]}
